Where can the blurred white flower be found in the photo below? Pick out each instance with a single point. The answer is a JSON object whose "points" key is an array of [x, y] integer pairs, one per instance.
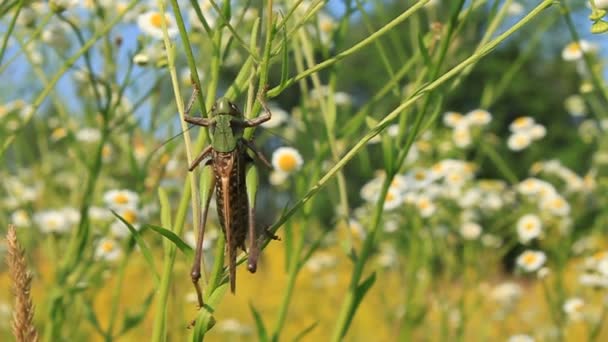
{"points": [[453, 119], [129, 214], [287, 160], [470, 230], [88, 135], [151, 24], [233, 326], [575, 50], [506, 293], [515, 8], [100, 214], [556, 205], [120, 198], [519, 141], [320, 261], [575, 105], [425, 206], [573, 307], [478, 117], [108, 249], [520, 338], [393, 199], [52, 221], [522, 123], [20, 218], [531, 261], [529, 227], [461, 136]]}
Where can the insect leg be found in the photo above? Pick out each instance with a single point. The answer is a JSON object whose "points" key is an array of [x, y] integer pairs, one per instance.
{"points": [[262, 118], [258, 154], [207, 185], [252, 188], [200, 158], [192, 99], [198, 121]]}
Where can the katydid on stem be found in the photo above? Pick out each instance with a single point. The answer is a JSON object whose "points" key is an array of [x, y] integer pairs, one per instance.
{"points": [[234, 179]]}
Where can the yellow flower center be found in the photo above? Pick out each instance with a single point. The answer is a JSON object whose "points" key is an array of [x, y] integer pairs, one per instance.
{"points": [[420, 176], [326, 26], [121, 198], [287, 162], [107, 246], [573, 47], [52, 223], [156, 20], [59, 133], [558, 203], [121, 7], [523, 121], [529, 258], [529, 226], [389, 197], [106, 151], [130, 216]]}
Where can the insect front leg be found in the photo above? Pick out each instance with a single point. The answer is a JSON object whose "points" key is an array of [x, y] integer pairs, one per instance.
{"points": [[252, 182], [207, 186], [262, 118], [201, 157]]}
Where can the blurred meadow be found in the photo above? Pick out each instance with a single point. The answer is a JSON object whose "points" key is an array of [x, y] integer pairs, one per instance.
{"points": [[439, 169]]}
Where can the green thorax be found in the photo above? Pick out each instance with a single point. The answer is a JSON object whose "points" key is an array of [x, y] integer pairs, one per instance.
{"points": [[225, 132]]}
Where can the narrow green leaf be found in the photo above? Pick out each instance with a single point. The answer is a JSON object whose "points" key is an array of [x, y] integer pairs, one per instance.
{"points": [[424, 51], [360, 292], [132, 319], [284, 60], [89, 313], [145, 250], [177, 241], [259, 323], [165, 208], [305, 332]]}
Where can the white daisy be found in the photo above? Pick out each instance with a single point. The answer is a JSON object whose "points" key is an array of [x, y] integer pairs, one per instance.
{"points": [[108, 249], [522, 123], [20, 218], [529, 227], [120, 198], [52, 221], [573, 307], [575, 50], [287, 160], [478, 117], [453, 119], [461, 136], [425, 206], [88, 135], [556, 205], [531, 261], [519, 141], [470, 230], [151, 23]]}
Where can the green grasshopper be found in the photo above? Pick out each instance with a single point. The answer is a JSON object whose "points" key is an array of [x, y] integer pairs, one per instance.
{"points": [[235, 183]]}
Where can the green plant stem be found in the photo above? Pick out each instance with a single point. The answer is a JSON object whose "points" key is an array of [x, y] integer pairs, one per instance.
{"points": [[65, 67], [419, 93], [595, 76], [11, 26], [189, 56], [331, 61]]}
